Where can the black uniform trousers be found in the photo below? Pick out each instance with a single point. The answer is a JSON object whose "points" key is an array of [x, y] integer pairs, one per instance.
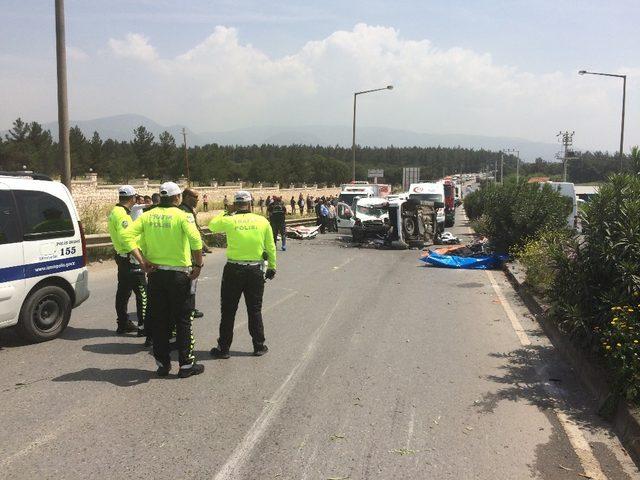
{"points": [[131, 278], [169, 301], [236, 280], [279, 227]]}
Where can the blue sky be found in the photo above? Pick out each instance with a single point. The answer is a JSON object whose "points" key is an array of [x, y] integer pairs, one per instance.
{"points": [[480, 67]]}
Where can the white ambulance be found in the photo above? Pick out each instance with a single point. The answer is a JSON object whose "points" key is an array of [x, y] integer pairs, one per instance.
{"points": [[43, 273]]}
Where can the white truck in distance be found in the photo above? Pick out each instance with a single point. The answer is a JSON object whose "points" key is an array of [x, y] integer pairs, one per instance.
{"points": [[567, 189], [349, 191]]}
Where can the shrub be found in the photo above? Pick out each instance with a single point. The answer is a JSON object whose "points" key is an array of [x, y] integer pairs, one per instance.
{"points": [[598, 279], [474, 203], [538, 257], [620, 345], [512, 213]]}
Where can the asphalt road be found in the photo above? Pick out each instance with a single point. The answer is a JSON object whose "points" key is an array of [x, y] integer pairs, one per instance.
{"points": [[379, 368]]}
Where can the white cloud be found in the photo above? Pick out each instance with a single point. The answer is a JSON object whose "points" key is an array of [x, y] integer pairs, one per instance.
{"points": [[222, 83], [134, 46]]}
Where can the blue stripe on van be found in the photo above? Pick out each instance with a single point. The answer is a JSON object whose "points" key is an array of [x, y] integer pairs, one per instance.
{"points": [[20, 272]]}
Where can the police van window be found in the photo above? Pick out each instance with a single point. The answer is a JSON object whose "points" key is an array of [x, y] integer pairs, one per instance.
{"points": [[43, 215], [8, 220]]}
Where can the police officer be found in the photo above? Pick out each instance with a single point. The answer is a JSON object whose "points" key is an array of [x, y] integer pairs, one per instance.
{"points": [[130, 274], [249, 241], [171, 241], [189, 203], [277, 218]]}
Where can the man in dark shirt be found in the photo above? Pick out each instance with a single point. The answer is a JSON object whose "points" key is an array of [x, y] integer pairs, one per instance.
{"points": [[277, 215]]}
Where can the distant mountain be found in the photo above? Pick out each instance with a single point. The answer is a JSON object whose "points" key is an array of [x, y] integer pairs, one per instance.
{"points": [[377, 137], [120, 127]]}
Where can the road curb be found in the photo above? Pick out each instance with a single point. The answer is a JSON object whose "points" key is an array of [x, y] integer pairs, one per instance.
{"points": [[626, 418]]}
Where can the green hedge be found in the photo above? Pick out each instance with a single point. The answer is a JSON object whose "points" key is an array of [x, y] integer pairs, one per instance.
{"points": [[512, 213], [595, 292]]}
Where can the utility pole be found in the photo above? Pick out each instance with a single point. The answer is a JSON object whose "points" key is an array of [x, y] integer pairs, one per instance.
{"points": [[566, 139], [63, 109], [501, 167], [517, 152], [186, 155]]}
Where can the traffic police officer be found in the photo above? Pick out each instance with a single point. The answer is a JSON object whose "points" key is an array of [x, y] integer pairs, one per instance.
{"points": [[171, 240], [249, 242], [130, 274]]}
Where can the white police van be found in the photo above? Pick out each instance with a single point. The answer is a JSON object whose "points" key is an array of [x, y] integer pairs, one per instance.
{"points": [[43, 273]]}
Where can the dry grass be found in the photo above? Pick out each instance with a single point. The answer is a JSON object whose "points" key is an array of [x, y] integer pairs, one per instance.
{"points": [[94, 217]]}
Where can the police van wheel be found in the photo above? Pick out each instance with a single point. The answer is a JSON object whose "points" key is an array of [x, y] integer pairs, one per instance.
{"points": [[45, 314]]}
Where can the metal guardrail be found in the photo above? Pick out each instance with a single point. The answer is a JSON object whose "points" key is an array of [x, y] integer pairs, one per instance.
{"points": [[98, 240]]}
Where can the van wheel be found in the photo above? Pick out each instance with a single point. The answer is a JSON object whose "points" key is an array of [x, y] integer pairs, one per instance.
{"points": [[410, 226], [45, 314]]}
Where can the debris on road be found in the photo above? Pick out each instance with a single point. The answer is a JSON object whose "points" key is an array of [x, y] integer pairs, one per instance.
{"points": [[477, 256], [302, 232], [335, 437], [403, 451], [447, 238]]}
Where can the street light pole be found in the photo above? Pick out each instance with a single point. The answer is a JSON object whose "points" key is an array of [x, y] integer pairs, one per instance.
{"points": [[624, 97], [501, 167], [63, 112], [353, 144]]}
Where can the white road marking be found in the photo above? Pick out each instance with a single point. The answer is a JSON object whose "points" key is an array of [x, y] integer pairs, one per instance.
{"points": [[344, 264], [581, 447], [411, 428], [231, 467], [270, 307], [515, 323], [46, 438]]}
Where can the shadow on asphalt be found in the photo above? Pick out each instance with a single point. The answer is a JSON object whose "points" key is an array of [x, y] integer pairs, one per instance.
{"points": [[79, 333], [116, 348], [10, 339], [120, 377], [536, 375], [204, 355], [520, 380]]}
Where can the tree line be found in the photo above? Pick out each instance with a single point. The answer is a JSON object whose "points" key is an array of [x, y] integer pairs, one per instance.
{"points": [[28, 145]]}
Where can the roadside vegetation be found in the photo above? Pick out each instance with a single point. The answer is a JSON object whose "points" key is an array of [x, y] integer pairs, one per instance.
{"points": [[30, 145], [513, 213], [591, 280]]}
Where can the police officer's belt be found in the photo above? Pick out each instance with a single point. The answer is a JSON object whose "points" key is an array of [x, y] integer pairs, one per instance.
{"points": [[130, 257], [251, 263], [174, 269]]}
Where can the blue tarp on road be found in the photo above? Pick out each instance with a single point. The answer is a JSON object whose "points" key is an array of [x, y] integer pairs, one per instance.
{"points": [[481, 262]]}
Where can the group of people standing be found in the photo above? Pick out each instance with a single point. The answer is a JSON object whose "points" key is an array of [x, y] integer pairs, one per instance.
{"points": [[159, 258], [326, 214]]}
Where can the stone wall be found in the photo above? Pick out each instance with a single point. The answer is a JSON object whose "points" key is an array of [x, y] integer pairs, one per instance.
{"points": [[90, 191]]}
